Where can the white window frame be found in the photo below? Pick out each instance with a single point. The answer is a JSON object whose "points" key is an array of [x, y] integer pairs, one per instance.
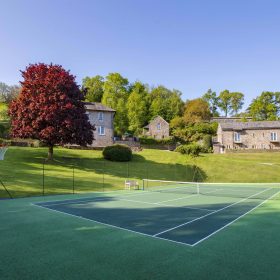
{"points": [[158, 126], [101, 130], [273, 136], [100, 116], [237, 137]]}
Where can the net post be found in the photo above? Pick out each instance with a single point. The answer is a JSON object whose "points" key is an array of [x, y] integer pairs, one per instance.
{"points": [[6, 189], [197, 186], [143, 184], [73, 179]]}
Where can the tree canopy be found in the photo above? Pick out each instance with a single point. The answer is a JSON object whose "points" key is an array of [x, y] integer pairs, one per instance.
{"points": [[265, 107], [196, 110], [94, 88], [8, 93], [50, 108]]}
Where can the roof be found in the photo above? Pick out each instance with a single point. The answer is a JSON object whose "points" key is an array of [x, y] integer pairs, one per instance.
{"points": [[230, 119], [159, 118], [250, 125], [94, 106]]}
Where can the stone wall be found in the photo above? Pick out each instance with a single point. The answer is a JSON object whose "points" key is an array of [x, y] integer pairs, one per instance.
{"points": [[107, 123]]}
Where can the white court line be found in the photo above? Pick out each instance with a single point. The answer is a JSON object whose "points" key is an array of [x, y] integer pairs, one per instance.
{"points": [[216, 211], [186, 196], [112, 226], [144, 234], [235, 219], [169, 205], [89, 199]]}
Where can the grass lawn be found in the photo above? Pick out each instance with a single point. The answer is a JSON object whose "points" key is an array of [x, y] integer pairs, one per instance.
{"points": [[22, 170], [39, 244]]}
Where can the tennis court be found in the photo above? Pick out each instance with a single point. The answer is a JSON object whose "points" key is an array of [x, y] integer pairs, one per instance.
{"points": [[181, 212]]}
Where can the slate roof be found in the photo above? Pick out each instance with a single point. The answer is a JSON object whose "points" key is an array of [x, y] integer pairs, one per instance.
{"points": [[94, 106], [250, 125]]}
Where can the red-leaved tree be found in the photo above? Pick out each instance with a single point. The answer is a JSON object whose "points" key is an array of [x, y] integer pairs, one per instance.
{"points": [[50, 108]]}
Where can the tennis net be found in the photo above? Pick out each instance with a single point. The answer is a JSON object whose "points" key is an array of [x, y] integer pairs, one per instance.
{"points": [[242, 190]]}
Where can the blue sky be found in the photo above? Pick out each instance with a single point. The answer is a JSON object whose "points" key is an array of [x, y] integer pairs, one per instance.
{"points": [[188, 45]]}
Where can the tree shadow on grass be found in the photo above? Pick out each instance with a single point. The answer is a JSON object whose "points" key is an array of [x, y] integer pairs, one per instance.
{"points": [[27, 173]]}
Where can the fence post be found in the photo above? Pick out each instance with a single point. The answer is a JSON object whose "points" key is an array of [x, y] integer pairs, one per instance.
{"points": [[103, 179], [43, 181], [73, 179]]}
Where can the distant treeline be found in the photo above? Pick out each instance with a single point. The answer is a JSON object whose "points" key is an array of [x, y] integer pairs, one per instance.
{"points": [[137, 103]]}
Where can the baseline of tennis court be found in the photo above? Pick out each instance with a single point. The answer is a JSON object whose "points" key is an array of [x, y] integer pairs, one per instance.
{"points": [[187, 218]]}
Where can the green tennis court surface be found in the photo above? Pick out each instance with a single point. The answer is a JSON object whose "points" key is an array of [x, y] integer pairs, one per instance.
{"points": [[185, 213]]}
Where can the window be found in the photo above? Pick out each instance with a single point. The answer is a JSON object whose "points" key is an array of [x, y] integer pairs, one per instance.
{"points": [[273, 136], [237, 137], [101, 130], [158, 126], [100, 116]]}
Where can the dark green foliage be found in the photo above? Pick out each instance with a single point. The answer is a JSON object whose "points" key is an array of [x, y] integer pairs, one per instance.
{"points": [[117, 153], [153, 141], [94, 88], [2, 130], [207, 142], [192, 149], [194, 132]]}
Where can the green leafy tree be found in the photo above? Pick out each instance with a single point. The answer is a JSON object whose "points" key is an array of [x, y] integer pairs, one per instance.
{"points": [[94, 88], [137, 107], [196, 110], [116, 92], [264, 107], [237, 101], [213, 101], [225, 98], [165, 103]]}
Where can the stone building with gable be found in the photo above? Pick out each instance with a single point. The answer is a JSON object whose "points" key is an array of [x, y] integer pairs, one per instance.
{"points": [[158, 128], [103, 118], [254, 135]]}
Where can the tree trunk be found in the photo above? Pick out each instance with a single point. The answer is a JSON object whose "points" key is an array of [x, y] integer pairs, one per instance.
{"points": [[50, 153]]}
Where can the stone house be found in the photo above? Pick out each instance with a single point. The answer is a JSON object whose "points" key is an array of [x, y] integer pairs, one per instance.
{"points": [[103, 119], [254, 135], [158, 128]]}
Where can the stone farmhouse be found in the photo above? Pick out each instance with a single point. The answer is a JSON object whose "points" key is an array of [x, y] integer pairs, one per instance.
{"points": [[103, 119], [254, 135], [158, 128]]}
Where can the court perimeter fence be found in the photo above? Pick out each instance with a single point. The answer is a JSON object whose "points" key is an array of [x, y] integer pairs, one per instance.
{"points": [[72, 176]]}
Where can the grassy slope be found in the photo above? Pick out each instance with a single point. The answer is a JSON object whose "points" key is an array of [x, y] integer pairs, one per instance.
{"points": [[21, 171]]}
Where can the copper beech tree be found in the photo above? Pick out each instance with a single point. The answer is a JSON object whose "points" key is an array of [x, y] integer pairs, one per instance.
{"points": [[50, 108]]}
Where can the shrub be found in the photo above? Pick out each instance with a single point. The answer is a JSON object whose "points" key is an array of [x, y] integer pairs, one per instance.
{"points": [[191, 149], [117, 153], [207, 142], [152, 141]]}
